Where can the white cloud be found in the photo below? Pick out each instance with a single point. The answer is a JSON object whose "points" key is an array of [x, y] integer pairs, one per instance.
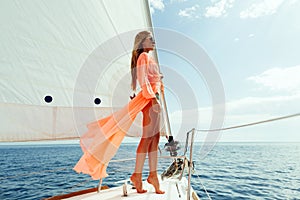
{"points": [[240, 111], [280, 79], [190, 12], [254, 109], [251, 35], [266, 7], [264, 106], [156, 5], [219, 9]]}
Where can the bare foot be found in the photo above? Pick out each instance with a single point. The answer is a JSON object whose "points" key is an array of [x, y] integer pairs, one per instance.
{"points": [[153, 180], [136, 179]]}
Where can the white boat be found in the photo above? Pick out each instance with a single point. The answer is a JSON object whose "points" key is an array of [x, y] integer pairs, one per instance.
{"points": [[52, 55], [172, 181]]}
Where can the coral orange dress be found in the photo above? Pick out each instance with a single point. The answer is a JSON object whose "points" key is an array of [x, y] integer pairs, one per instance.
{"points": [[104, 136]]}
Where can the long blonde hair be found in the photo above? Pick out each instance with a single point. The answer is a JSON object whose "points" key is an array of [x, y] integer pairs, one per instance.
{"points": [[136, 52]]}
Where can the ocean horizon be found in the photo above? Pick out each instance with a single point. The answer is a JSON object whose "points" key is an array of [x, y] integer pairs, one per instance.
{"points": [[232, 170]]}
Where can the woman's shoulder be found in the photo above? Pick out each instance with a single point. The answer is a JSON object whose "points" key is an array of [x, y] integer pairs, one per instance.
{"points": [[144, 55]]}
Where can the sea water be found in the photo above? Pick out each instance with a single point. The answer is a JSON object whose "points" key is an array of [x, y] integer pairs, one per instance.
{"points": [[229, 171]]}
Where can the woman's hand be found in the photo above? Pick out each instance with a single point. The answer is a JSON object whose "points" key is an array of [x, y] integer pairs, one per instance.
{"points": [[162, 88], [156, 105]]}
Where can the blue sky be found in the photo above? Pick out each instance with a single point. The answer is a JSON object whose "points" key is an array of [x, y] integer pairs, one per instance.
{"points": [[255, 47]]}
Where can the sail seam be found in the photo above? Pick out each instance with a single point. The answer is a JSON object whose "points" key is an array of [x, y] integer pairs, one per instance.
{"points": [[114, 27]]}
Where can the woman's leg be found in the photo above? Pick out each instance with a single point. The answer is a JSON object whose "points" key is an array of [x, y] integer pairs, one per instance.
{"points": [[141, 152], [152, 153], [136, 177], [152, 178], [154, 128]]}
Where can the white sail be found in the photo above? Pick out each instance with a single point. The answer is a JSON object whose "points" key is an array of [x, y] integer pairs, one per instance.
{"points": [[70, 51]]}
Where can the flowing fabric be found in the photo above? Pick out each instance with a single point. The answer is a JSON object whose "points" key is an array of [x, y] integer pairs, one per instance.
{"points": [[104, 136]]}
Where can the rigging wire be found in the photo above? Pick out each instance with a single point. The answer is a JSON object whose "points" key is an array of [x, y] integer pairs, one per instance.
{"points": [[241, 126], [249, 124], [207, 194]]}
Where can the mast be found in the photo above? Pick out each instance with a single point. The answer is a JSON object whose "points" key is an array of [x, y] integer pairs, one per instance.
{"points": [[162, 94]]}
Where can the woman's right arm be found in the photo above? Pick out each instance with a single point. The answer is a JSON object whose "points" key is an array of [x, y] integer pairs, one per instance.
{"points": [[142, 77]]}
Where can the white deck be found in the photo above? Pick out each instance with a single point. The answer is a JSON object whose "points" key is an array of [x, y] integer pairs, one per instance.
{"points": [[169, 186]]}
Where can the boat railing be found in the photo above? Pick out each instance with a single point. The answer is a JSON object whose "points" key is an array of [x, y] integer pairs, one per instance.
{"points": [[190, 139], [177, 168]]}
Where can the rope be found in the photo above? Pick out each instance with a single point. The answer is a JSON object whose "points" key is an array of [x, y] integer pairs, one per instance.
{"points": [[207, 194], [249, 124]]}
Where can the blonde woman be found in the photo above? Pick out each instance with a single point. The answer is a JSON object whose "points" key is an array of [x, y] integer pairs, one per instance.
{"points": [[103, 138], [145, 70]]}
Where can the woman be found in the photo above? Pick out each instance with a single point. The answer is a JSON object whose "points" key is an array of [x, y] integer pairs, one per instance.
{"points": [[145, 70], [104, 136]]}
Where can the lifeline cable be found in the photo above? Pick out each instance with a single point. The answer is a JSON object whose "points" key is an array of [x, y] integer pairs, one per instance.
{"points": [[249, 124]]}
